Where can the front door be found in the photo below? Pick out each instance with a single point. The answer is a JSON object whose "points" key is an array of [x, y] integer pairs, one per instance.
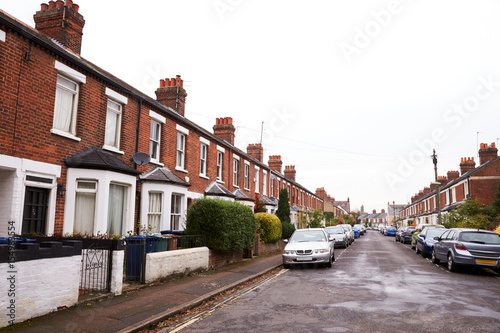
{"points": [[35, 210]]}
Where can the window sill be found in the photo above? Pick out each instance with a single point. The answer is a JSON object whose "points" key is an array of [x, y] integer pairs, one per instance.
{"points": [[64, 134], [180, 169], [220, 181], [247, 189], [204, 176], [156, 162], [113, 149], [235, 186]]}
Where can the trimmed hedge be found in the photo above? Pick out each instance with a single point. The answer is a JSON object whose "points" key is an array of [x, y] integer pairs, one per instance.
{"points": [[228, 226], [269, 227]]}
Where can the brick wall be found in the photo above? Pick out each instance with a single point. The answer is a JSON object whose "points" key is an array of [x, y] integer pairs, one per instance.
{"points": [[220, 259]]}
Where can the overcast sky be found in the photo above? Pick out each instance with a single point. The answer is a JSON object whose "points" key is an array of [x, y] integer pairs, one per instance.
{"points": [[355, 94]]}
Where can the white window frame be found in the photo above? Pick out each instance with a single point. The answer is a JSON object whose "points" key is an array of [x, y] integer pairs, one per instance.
{"points": [[178, 214], [236, 167], [155, 142], [220, 165], [157, 213], [246, 180], [203, 160], [71, 133], [160, 120], [264, 182], [120, 101], [86, 190], [180, 152], [257, 179]]}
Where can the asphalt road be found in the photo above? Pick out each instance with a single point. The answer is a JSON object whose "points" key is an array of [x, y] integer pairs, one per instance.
{"points": [[375, 285]]}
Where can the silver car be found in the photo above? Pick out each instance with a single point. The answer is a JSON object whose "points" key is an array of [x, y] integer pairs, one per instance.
{"points": [[473, 247], [350, 232], [308, 246], [340, 235]]}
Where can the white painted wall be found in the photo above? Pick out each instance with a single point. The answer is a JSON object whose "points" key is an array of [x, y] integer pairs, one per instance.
{"points": [[179, 262], [41, 286], [116, 283]]}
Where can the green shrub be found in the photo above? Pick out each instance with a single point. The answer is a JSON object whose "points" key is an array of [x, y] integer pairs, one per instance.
{"points": [[227, 225], [269, 227], [287, 230]]}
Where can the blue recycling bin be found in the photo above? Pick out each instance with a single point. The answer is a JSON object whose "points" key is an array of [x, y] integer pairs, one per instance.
{"points": [[134, 254]]}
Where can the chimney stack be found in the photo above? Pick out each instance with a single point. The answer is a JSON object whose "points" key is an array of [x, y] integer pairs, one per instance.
{"points": [[443, 180], [172, 94], [61, 21], [320, 192], [290, 172], [275, 162], [487, 153], [256, 151], [224, 129], [452, 175], [467, 164], [374, 211]]}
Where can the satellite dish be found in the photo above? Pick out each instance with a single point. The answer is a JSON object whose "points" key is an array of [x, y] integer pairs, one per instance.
{"points": [[141, 158]]}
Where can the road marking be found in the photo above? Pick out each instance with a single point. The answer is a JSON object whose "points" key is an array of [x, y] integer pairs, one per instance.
{"points": [[224, 303]]}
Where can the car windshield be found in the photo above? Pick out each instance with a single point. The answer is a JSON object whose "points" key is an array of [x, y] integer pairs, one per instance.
{"points": [[431, 233], [480, 238], [335, 230], [391, 228], [308, 236], [410, 229]]}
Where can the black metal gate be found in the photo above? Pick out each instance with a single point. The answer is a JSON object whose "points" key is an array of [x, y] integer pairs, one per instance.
{"points": [[96, 267]]}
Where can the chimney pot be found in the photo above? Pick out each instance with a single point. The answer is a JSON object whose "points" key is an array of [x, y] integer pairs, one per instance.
{"points": [[52, 4], [44, 6], [59, 3], [69, 3], [76, 7], [162, 83]]}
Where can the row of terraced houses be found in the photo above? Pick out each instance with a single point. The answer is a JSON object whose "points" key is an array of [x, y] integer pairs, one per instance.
{"points": [[471, 182], [82, 151]]}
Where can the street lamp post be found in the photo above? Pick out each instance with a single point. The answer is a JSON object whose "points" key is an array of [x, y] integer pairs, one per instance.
{"points": [[438, 184]]}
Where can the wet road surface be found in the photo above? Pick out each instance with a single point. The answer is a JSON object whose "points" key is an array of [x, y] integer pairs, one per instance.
{"points": [[375, 285]]}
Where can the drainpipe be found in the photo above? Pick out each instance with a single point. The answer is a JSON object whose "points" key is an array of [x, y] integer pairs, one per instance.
{"points": [[138, 193]]}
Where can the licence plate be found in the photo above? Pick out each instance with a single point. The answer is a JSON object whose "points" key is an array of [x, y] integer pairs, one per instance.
{"points": [[304, 259], [486, 261]]}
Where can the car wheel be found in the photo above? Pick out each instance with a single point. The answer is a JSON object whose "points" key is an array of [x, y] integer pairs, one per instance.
{"points": [[286, 266], [433, 257], [345, 244], [452, 267], [329, 263], [417, 251]]}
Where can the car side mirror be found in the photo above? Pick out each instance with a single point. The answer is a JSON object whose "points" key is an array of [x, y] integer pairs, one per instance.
{"points": [[437, 238], [331, 238], [285, 240]]}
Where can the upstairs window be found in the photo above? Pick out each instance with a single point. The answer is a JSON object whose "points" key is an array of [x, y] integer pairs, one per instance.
{"points": [[220, 159], [203, 159], [181, 146], [264, 182], [236, 166], [257, 180], [154, 141], [66, 105], [113, 124], [247, 176]]}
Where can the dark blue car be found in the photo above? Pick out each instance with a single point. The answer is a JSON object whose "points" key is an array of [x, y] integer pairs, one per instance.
{"points": [[390, 231], [426, 241]]}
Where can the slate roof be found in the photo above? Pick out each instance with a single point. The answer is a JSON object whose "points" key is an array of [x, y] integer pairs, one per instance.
{"points": [[267, 201], [163, 174], [216, 189], [240, 195], [295, 208], [98, 158]]}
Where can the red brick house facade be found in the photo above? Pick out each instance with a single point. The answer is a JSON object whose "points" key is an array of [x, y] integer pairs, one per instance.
{"points": [[471, 182], [71, 131]]}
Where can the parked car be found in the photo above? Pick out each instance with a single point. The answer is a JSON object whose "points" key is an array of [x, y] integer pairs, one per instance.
{"points": [[473, 247], [350, 231], [418, 230], [406, 234], [426, 240], [390, 231], [340, 235], [398, 234], [308, 246]]}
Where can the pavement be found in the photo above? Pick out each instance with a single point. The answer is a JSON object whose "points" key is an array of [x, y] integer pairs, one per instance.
{"points": [[141, 306]]}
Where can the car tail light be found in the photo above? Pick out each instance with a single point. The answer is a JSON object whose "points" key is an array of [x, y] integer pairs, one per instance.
{"points": [[460, 246]]}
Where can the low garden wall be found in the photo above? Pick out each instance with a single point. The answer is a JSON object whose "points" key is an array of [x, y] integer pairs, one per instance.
{"points": [[173, 264], [41, 278], [261, 249]]}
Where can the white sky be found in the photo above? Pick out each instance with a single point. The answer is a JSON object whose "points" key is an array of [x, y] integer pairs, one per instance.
{"points": [[355, 94]]}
